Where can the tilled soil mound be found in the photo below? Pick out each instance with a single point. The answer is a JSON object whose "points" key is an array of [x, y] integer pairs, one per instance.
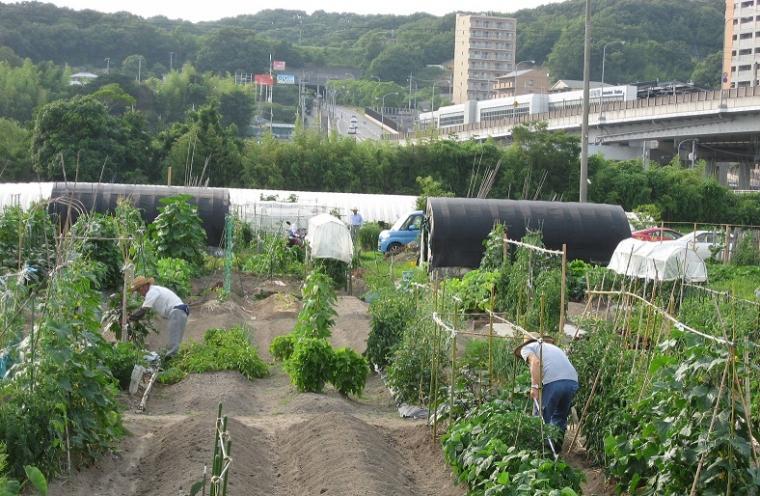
{"points": [[338, 454], [178, 454], [201, 393]]}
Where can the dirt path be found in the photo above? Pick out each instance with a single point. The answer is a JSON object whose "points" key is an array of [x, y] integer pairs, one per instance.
{"points": [[283, 443]]}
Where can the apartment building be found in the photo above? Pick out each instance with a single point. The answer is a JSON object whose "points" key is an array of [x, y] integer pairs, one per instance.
{"points": [[521, 82], [484, 48], [741, 45]]}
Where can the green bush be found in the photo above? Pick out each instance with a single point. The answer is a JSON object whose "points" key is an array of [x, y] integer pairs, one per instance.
{"points": [[121, 359], [310, 365], [174, 273], [222, 349], [281, 347], [368, 234], [178, 231], [390, 313], [349, 371]]}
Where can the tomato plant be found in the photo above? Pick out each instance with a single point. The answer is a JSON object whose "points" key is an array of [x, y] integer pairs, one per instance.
{"points": [[391, 313], [317, 315]]}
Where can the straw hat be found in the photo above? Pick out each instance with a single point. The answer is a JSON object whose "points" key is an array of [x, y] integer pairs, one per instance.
{"points": [[141, 281], [532, 339]]}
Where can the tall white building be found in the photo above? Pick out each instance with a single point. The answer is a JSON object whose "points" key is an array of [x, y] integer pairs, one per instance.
{"points": [[484, 48], [741, 46]]}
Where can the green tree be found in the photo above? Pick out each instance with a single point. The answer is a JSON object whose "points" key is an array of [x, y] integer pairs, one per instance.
{"points": [[15, 163], [200, 150], [79, 138], [707, 72], [21, 91], [114, 98]]}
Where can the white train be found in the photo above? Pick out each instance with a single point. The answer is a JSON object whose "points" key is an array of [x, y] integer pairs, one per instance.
{"points": [[510, 107]]}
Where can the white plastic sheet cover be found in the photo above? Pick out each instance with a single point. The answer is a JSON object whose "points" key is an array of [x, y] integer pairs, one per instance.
{"points": [[661, 261], [329, 237], [24, 195]]}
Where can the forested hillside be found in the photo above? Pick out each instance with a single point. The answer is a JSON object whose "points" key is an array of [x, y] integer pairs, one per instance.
{"points": [[665, 39]]}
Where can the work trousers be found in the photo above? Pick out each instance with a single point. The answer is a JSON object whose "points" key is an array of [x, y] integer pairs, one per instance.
{"points": [[176, 326], [556, 400]]}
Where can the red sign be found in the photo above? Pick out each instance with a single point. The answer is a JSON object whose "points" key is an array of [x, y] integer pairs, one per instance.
{"points": [[278, 65], [263, 79]]}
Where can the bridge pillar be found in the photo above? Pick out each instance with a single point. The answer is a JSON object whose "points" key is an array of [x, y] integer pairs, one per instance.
{"points": [[711, 169], [723, 174], [744, 175]]}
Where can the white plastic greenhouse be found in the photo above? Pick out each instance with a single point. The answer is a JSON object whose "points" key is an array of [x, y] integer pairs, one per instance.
{"points": [[660, 261], [329, 237]]}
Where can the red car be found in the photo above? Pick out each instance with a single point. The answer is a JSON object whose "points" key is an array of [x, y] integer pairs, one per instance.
{"points": [[656, 234]]}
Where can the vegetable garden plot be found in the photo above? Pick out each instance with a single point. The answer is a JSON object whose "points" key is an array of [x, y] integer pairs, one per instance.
{"points": [[672, 406], [669, 376]]}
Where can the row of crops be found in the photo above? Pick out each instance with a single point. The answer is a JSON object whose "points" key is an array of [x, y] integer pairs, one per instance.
{"points": [[668, 375], [61, 284]]}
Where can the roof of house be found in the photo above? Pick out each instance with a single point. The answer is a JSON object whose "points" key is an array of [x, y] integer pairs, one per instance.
{"points": [[574, 84]]}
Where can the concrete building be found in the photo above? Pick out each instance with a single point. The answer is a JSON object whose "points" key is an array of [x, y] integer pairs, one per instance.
{"points": [[741, 44], [484, 48], [533, 80]]}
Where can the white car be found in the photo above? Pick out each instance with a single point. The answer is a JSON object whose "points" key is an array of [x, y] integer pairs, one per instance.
{"points": [[705, 243]]}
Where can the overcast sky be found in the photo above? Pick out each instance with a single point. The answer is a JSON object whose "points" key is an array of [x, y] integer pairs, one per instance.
{"points": [[216, 9]]}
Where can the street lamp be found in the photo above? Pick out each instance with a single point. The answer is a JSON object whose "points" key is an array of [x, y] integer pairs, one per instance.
{"points": [[514, 89], [693, 154], [382, 113], [601, 90], [432, 96]]}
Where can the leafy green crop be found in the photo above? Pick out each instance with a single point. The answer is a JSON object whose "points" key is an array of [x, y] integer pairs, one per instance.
{"points": [[497, 450], [310, 365], [281, 347], [174, 273], [349, 371], [178, 232], [222, 349]]}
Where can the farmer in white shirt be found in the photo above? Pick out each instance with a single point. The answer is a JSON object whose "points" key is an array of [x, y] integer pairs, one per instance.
{"points": [[553, 375], [166, 304]]}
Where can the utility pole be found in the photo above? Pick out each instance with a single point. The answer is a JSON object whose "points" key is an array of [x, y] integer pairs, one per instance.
{"points": [[171, 61], [271, 95], [410, 92], [139, 68], [108, 65], [584, 126]]}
